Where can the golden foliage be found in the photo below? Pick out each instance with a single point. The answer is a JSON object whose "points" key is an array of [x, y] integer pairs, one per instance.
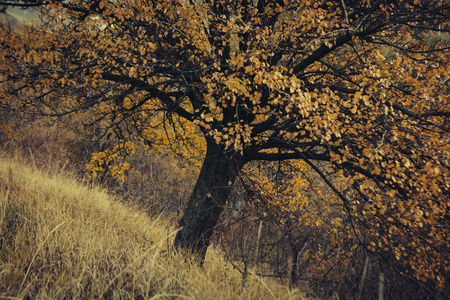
{"points": [[357, 85]]}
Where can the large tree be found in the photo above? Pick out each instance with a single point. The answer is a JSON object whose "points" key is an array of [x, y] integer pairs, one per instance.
{"points": [[359, 85]]}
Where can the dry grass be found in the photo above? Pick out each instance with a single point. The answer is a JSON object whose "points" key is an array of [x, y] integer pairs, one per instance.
{"points": [[60, 239]]}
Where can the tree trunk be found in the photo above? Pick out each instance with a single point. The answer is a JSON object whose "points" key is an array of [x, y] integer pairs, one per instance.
{"points": [[219, 171]]}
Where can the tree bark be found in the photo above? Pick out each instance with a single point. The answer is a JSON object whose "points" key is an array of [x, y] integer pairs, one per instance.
{"points": [[206, 203]]}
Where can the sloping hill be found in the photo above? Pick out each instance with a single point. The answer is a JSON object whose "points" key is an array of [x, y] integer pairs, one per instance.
{"points": [[60, 239]]}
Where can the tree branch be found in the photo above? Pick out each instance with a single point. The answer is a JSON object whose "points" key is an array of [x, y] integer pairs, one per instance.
{"points": [[163, 96]]}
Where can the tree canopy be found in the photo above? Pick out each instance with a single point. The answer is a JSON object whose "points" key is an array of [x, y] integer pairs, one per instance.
{"points": [[359, 85]]}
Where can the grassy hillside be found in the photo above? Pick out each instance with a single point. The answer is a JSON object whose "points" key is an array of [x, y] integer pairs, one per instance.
{"points": [[60, 239]]}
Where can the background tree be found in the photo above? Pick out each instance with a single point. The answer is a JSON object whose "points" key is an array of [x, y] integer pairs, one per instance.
{"points": [[356, 84]]}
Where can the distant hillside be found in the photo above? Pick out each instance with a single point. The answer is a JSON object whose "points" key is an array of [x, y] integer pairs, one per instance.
{"points": [[60, 239], [10, 20], [16, 17]]}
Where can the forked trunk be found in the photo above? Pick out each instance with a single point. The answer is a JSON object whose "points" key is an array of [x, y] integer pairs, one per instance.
{"points": [[218, 173]]}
